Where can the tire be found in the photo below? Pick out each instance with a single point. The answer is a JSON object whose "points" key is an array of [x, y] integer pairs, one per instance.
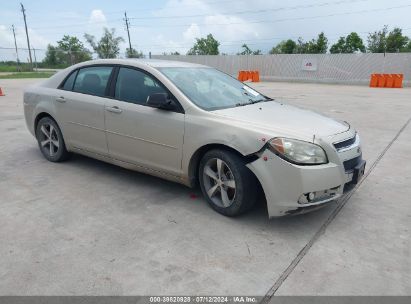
{"points": [[50, 140], [230, 190]]}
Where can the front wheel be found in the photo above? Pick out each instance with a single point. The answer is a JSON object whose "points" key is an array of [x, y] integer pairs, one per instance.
{"points": [[50, 140], [228, 185]]}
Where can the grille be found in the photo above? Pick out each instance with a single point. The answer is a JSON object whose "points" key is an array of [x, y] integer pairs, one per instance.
{"points": [[350, 164], [344, 144]]}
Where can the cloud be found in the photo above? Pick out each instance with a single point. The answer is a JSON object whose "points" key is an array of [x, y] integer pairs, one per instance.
{"points": [[230, 27], [201, 18], [96, 23], [97, 16], [192, 32]]}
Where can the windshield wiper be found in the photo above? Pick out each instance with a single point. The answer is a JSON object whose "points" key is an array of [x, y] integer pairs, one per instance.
{"points": [[261, 100], [240, 104]]}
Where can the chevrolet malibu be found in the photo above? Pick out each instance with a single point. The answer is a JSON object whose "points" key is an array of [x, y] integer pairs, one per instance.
{"points": [[193, 124]]}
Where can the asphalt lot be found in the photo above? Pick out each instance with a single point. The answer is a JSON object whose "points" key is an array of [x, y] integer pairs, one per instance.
{"points": [[84, 227]]}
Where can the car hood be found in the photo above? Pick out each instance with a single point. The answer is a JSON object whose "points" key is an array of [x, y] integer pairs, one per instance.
{"points": [[284, 120]]}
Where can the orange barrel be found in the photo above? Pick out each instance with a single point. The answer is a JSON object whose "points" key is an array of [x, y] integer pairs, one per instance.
{"points": [[245, 78], [389, 80], [240, 75], [254, 76], [398, 78], [243, 75], [381, 80], [374, 81]]}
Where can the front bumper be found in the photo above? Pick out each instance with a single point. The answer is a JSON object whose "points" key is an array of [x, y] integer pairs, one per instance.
{"points": [[287, 186]]}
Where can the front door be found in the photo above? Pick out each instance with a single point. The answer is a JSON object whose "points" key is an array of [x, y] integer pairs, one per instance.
{"points": [[139, 134]]}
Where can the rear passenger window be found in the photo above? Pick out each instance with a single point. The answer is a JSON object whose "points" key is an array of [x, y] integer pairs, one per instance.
{"points": [[68, 84], [92, 80]]}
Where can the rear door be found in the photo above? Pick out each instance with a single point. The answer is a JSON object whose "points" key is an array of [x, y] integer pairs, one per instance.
{"points": [[139, 134], [80, 106]]}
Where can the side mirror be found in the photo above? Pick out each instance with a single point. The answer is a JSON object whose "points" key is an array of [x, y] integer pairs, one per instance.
{"points": [[160, 101]]}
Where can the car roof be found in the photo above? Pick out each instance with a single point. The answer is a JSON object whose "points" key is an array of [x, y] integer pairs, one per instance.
{"points": [[155, 63]]}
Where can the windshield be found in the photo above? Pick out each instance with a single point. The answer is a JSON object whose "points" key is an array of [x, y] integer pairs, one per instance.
{"points": [[211, 89]]}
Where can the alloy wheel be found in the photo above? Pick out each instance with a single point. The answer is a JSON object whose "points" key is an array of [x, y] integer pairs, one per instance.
{"points": [[49, 140], [219, 182]]}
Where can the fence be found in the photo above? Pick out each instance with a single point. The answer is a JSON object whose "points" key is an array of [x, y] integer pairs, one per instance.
{"points": [[324, 68]]}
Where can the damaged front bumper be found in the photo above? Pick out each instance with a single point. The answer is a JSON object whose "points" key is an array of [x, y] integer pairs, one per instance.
{"points": [[294, 189]]}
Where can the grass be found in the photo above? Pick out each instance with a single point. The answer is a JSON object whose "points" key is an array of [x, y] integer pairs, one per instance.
{"points": [[8, 68], [22, 75], [13, 67]]}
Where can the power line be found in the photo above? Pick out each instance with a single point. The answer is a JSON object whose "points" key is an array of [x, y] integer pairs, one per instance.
{"points": [[286, 19], [173, 6], [74, 25], [255, 11], [209, 14]]}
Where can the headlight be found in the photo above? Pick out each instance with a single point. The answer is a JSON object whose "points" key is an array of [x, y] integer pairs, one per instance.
{"points": [[298, 151]]}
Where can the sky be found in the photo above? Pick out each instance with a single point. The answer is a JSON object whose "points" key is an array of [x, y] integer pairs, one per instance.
{"points": [[159, 26]]}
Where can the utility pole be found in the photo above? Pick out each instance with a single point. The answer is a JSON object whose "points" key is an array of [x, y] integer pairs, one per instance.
{"points": [[35, 59], [27, 33], [15, 44], [128, 31]]}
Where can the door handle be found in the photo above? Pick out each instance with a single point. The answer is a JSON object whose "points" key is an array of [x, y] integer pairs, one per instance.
{"points": [[61, 99], [114, 109]]}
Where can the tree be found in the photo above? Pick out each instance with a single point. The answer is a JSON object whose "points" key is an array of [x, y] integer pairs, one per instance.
{"points": [[285, 47], [74, 49], [384, 41], [133, 53], [301, 46], [69, 50], [339, 47], [354, 43], [318, 46], [347, 45], [107, 46], [205, 46], [248, 51], [377, 41], [171, 53], [51, 56], [315, 46], [396, 41]]}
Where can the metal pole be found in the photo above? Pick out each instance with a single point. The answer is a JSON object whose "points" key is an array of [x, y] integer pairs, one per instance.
{"points": [[17, 52], [27, 34]]}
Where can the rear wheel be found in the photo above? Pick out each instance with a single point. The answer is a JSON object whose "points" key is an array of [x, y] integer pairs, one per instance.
{"points": [[227, 184], [50, 140]]}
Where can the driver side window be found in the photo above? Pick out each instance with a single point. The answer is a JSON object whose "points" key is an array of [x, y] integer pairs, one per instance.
{"points": [[135, 86]]}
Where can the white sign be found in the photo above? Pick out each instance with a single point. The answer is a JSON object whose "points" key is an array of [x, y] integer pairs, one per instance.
{"points": [[309, 64]]}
